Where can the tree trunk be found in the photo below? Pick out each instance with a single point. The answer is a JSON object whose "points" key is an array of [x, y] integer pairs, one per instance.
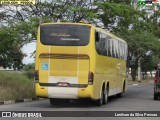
{"points": [[143, 75], [139, 70], [133, 73], [151, 74]]}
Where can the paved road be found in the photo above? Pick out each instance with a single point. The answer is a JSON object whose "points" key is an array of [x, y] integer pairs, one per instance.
{"points": [[137, 98]]}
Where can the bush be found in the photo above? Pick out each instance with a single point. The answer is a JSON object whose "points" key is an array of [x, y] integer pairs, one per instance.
{"points": [[29, 70], [29, 74], [15, 86]]}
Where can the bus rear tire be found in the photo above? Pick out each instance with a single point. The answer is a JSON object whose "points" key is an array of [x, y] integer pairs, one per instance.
{"points": [[105, 96], [99, 102], [122, 93]]}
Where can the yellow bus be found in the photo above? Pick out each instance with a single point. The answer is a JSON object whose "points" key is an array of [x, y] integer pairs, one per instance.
{"points": [[78, 60]]}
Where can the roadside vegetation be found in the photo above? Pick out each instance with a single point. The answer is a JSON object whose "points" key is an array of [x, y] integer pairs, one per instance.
{"points": [[15, 86], [29, 70]]}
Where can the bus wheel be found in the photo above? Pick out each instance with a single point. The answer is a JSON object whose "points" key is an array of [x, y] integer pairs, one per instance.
{"points": [[99, 102], [105, 96], [54, 101], [122, 93]]}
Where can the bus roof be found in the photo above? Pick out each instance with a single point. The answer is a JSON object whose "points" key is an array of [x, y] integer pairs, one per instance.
{"points": [[67, 23]]}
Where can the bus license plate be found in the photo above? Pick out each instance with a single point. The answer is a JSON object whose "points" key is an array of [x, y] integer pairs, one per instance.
{"points": [[62, 84]]}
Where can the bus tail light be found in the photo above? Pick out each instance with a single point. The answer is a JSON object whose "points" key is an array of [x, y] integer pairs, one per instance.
{"points": [[36, 76], [156, 78], [90, 78]]}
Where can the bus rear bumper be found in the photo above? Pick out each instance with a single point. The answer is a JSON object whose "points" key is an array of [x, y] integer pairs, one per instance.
{"points": [[64, 92]]}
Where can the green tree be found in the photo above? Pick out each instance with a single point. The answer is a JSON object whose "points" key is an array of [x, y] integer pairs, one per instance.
{"points": [[10, 49], [140, 46], [149, 63], [134, 27], [117, 16], [55, 10], [29, 67]]}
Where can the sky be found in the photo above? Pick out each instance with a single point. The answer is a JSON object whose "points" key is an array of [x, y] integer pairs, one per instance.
{"points": [[28, 49]]}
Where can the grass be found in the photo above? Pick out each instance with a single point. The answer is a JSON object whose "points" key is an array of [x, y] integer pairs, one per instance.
{"points": [[15, 86]]}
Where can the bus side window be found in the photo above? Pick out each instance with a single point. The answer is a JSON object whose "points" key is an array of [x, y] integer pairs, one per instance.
{"points": [[97, 37], [106, 46], [109, 47], [113, 48], [116, 48], [120, 49], [103, 46], [98, 43]]}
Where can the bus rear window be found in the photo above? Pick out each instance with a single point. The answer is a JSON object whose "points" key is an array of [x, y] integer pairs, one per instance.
{"points": [[64, 35]]}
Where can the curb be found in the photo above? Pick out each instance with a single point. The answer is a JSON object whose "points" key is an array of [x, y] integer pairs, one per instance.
{"points": [[18, 101], [150, 83]]}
